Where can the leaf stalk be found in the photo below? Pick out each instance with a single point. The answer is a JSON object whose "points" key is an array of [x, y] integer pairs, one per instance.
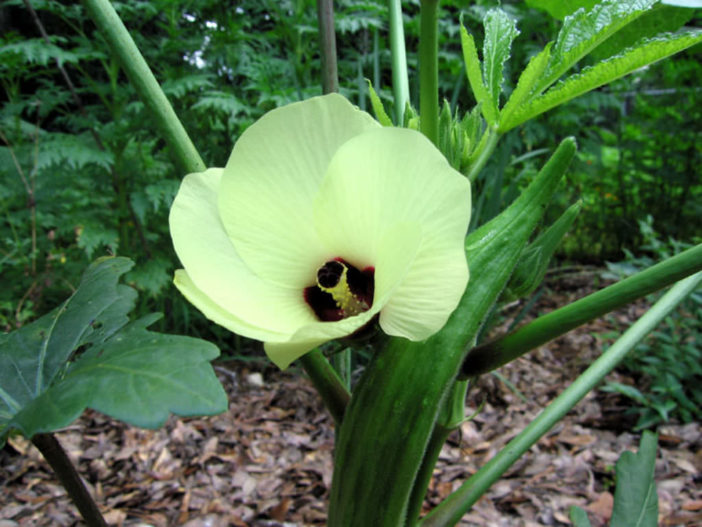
{"points": [[487, 357], [67, 474], [146, 85]]}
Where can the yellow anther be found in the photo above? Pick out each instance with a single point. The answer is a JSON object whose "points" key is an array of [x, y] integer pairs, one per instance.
{"points": [[334, 277]]}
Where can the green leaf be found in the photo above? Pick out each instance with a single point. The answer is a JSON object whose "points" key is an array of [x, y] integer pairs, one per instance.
{"points": [[475, 77], [683, 3], [181, 86], [36, 51], [584, 30], [659, 19], [73, 150], [124, 371], [93, 236], [137, 376], [378, 108], [561, 8], [628, 391], [579, 517], [605, 72], [635, 498], [527, 80], [500, 31], [219, 101], [32, 356], [151, 276]]}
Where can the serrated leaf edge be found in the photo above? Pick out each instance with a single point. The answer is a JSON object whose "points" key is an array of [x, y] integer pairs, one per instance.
{"points": [[554, 97]]}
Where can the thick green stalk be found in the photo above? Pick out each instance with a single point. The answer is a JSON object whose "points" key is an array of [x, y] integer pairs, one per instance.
{"points": [[327, 45], [458, 503], [146, 85], [429, 70], [426, 470], [327, 382], [451, 416], [67, 474], [400, 79], [501, 351], [390, 418]]}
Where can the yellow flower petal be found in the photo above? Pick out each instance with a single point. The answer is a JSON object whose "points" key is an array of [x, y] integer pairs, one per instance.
{"points": [[401, 239], [391, 175], [217, 272], [270, 182], [218, 314]]}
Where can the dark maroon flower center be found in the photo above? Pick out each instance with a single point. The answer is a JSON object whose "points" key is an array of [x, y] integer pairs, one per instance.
{"points": [[341, 291]]}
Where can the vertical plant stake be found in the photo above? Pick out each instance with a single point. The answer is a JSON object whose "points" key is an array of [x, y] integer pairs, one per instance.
{"points": [[325, 225]]}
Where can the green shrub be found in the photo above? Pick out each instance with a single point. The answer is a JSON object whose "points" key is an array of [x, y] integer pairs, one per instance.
{"points": [[667, 366]]}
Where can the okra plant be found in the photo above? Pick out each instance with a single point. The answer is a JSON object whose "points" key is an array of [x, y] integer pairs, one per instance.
{"points": [[327, 223]]}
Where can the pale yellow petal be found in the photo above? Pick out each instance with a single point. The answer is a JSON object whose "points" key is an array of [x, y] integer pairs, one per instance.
{"points": [[216, 270], [395, 257], [271, 179], [393, 175]]}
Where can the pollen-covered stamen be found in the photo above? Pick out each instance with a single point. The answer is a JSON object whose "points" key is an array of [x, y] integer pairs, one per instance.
{"points": [[332, 278], [340, 290]]}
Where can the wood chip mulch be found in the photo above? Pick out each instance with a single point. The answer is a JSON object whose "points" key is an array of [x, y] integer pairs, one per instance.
{"points": [[268, 460]]}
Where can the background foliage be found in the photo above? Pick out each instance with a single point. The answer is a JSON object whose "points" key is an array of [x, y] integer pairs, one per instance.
{"points": [[85, 174]]}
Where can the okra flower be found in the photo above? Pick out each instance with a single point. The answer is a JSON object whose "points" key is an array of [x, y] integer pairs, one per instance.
{"points": [[321, 221]]}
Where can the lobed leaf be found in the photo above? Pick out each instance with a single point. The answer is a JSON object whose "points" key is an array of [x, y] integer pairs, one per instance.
{"points": [[74, 151], [475, 78], [527, 80], [219, 101], [584, 30], [378, 108], [137, 376], [500, 31], [32, 357], [561, 8], [648, 52], [660, 19], [124, 371]]}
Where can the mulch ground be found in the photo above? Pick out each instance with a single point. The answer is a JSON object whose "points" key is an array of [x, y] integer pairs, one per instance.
{"points": [[268, 460]]}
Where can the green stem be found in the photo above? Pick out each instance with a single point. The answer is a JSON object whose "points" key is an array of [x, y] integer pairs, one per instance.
{"points": [[426, 469], [451, 416], [483, 152], [501, 351], [459, 502], [67, 474], [341, 362], [327, 44], [429, 70], [327, 383], [400, 79], [146, 85]]}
